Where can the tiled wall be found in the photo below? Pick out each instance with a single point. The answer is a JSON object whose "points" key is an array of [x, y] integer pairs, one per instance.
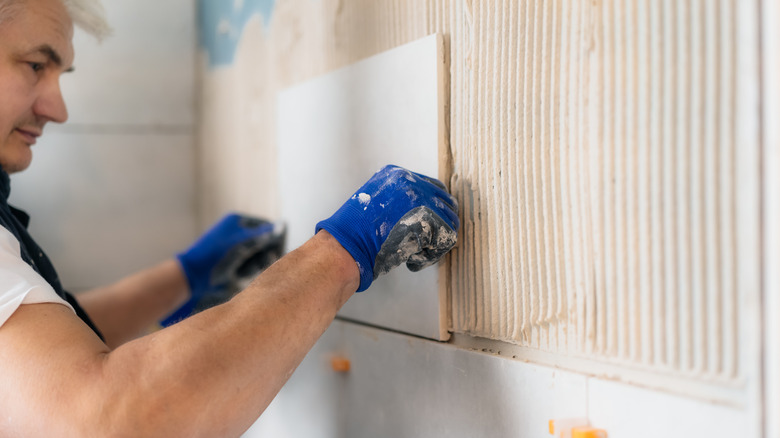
{"points": [[608, 162], [113, 189], [401, 386], [605, 156], [770, 39]]}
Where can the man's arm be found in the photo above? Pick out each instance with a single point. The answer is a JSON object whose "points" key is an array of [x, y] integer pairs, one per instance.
{"points": [[215, 372], [124, 310], [209, 375]]}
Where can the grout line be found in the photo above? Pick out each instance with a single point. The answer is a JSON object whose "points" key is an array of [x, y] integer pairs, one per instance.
{"points": [[387, 329], [122, 129]]}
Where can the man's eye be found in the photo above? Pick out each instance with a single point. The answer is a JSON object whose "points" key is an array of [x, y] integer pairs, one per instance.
{"points": [[36, 66]]}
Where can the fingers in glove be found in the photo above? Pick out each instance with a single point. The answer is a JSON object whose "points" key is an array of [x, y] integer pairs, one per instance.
{"points": [[447, 212], [440, 188], [252, 222], [431, 180]]}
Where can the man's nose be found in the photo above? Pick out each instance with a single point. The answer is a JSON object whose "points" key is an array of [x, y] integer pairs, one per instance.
{"points": [[50, 104]]}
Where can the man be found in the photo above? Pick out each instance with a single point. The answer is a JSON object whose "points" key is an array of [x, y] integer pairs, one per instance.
{"points": [[213, 373]]}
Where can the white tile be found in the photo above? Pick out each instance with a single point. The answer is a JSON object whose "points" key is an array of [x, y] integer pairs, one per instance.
{"points": [[143, 73], [334, 132], [313, 393], [626, 411], [103, 206], [402, 386], [770, 11]]}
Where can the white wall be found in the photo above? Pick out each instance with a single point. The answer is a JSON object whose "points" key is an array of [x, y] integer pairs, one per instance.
{"points": [[113, 189]]}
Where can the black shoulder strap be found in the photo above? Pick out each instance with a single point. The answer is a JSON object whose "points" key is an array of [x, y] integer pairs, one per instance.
{"points": [[16, 221], [82, 314]]}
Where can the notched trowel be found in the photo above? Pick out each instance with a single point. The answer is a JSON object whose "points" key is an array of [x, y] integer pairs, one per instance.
{"points": [[245, 261]]}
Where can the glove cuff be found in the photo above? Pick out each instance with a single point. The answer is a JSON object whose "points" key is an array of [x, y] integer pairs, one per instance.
{"points": [[182, 312], [185, 309], [190, 272], [345, 228]]}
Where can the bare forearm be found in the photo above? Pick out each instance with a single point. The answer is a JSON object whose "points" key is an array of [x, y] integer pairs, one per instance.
{"points": [[228, 363], [123, 310]]}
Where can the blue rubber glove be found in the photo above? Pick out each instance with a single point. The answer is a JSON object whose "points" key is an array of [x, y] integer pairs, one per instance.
{"points": [[398, 216], [226, 237]]}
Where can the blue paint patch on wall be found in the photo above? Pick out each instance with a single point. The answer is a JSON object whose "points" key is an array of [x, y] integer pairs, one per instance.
{"points": [[221, 23]]}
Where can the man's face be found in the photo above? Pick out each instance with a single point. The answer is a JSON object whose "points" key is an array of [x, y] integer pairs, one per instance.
{"points": [[35, 49]]}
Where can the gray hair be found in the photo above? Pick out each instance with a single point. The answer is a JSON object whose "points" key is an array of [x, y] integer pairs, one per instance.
{"points": [[89, 15]]}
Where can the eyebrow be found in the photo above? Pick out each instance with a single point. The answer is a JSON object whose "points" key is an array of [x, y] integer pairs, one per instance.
{"points": [[52, 54]]}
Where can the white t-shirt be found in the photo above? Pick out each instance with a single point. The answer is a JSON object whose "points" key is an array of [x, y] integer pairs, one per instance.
{"points": [[19, 283]]}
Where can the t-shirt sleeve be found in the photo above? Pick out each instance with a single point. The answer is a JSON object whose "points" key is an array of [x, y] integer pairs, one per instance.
{"points": [[19, 283]]}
